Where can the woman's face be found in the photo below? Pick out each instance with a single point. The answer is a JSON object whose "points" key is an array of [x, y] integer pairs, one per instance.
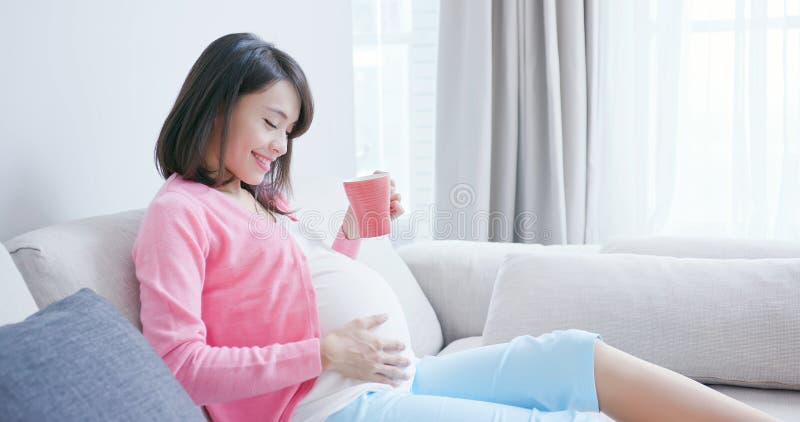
{"points": [[258, 133]]}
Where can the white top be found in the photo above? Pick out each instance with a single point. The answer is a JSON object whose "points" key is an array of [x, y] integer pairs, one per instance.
{"points": [[346, 289]]}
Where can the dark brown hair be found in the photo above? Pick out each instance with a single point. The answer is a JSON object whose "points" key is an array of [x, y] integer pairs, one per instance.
{"points": [[231, 66]]}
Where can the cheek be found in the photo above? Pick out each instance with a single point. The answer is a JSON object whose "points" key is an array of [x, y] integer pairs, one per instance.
{"points": [[242, 141], [252, 137], [233, 154]]}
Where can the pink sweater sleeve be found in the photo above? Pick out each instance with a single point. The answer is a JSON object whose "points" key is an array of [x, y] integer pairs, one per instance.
{"points": [[169, 255], [344, 245]]}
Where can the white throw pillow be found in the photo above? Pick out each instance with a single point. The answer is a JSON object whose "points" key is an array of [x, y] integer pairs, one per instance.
{"points": [[718, 321], [426, 332], [347, 289]]}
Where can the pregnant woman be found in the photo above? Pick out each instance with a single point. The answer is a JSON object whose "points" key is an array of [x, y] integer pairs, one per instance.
{"points": [[260, 323]]}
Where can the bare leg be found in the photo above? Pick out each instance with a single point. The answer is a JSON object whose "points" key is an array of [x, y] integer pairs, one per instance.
{"points": [[632, 389]]}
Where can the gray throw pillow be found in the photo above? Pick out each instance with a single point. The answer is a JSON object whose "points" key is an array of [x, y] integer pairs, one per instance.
{"points": [[79, 359]]}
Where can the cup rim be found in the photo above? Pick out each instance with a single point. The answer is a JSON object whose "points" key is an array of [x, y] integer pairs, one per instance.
{"points": [[367, 177]]}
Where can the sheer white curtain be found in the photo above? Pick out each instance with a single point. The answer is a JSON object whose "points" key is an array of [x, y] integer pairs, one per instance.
{"points": [[694, 119], [394, 72]]}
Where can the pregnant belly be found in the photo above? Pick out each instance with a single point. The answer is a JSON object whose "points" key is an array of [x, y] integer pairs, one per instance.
{"points": [[346, 290]]}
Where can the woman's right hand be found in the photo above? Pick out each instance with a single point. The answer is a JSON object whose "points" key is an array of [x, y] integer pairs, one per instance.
{"points": [[354, 352]]}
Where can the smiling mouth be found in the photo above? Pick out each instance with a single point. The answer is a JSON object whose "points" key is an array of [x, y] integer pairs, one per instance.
{"points": [[261, 160], [262, 157]]}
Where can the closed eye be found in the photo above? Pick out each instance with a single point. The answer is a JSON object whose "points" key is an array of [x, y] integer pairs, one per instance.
{"points": [[288, 134]]}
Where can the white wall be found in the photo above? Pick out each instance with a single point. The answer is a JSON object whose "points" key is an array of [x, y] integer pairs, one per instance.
{"points": [[85, 87]]}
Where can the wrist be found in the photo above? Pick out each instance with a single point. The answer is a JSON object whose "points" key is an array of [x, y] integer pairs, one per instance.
{"points": [[324, 351], [322, 358], [349, 227]]}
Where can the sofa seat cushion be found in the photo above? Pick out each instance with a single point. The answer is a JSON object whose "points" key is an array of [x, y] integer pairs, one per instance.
{"points": [[78, 359], [782, 404], [465, 343]]}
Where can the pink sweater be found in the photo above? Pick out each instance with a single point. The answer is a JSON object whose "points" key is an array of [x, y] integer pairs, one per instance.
{"points": [[227, 302]]}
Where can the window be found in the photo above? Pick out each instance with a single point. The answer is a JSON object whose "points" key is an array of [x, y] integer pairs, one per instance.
{"points": [[742, 91], [394, 65], [698, 120]]}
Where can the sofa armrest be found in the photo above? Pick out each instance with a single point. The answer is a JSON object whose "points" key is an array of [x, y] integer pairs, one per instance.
{"points": [[458, 276]]}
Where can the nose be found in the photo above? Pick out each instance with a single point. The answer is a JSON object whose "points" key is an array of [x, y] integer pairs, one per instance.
{"points": [[278, 146]]}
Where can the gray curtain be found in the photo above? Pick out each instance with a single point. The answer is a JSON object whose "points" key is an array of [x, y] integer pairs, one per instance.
{"points": [[512, 120]]}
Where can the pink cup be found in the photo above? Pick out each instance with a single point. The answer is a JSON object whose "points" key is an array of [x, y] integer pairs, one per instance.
{"points": [[369, 198]]}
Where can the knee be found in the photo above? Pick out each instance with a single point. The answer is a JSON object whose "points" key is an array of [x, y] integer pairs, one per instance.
{"points": [[570, 336]]}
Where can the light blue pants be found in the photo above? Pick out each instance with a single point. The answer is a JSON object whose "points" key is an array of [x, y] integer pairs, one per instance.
{"points": [[546, 378]]}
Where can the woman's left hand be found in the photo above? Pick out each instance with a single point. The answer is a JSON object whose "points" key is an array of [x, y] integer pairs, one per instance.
{"points": [[395, 209]]}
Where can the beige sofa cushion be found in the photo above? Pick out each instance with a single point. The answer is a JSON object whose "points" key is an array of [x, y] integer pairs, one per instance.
{"points": [[731, 321], [16, 302], [703, 247], [59, 260], [457, 277]]}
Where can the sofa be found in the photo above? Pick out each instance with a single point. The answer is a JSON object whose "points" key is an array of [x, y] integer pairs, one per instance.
{"points": [[446, 287]]}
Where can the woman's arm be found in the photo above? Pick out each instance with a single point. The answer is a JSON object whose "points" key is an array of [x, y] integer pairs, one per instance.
{"points": [[347, 240], [169, 255]]}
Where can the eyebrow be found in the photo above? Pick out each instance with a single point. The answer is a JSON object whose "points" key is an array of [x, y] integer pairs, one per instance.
{"points": [[279, 111]]}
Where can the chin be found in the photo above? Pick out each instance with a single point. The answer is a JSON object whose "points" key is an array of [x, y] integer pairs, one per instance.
{"points": [[254, 179], [249, 176]]}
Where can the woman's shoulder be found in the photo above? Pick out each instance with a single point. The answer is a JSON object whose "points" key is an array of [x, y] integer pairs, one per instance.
{"points": [[174, 214], [175, 183], [178, 196]]}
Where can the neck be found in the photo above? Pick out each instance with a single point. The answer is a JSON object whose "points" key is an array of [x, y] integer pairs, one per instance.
{"points": [[234, 188]]}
